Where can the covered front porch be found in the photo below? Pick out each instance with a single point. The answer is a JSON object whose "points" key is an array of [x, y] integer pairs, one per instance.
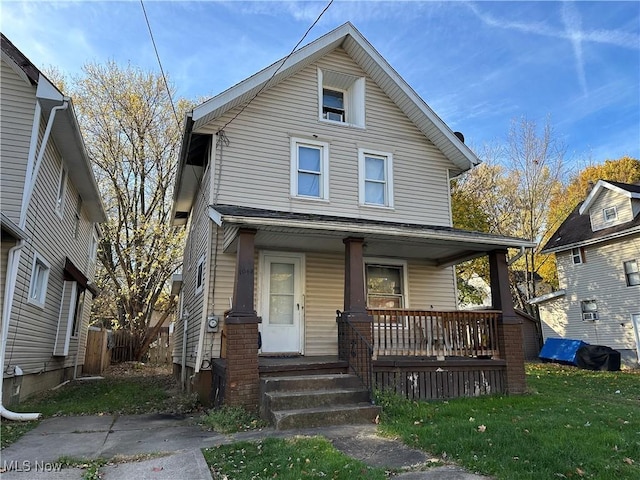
{"points": [[420, 352]]}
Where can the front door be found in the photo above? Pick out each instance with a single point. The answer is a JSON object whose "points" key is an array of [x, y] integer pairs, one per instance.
{"points": [[281, 303]]}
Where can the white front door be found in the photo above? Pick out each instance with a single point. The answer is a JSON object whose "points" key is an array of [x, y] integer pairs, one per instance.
{"points": [[281, 305]]}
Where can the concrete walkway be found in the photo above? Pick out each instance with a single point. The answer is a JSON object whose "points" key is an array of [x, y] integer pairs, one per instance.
{"points": [[167, 447]]}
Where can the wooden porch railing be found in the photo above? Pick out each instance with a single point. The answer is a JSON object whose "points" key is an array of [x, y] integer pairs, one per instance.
{"points": [[425, 333]]}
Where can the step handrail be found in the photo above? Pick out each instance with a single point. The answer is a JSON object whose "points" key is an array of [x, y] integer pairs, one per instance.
{"points": [[354, 348]]}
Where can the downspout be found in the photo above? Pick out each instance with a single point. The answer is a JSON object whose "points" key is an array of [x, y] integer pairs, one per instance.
{"points": [[183, 372], [12, 272], [13, 260]]}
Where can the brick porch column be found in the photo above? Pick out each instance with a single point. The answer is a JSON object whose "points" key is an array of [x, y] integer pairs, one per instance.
{"points": [[510, 325], [355, 298], [241, 330]]}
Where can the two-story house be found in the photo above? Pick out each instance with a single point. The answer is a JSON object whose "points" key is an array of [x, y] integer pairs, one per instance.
{"points": [[597, 252], [321, 184], [50, 209]]}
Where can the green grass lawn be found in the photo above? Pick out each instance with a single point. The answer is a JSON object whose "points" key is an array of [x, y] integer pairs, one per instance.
{"points": [[286, 459], [573, 424], [127, 390]]}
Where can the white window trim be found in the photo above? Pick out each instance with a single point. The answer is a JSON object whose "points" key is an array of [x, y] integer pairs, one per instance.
{"points": [[580, 256], [200, 288], [388, 166], [392, 262], [615, 214], [93, 246], [42, 297], [61, 193], [324, 168]]}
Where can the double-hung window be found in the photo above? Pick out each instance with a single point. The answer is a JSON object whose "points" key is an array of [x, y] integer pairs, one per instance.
{"points": [[376, 178], [385, 284], [341, 98], [577, 255], [632, 273], [309, 169], [39, 281], [200, 275]]}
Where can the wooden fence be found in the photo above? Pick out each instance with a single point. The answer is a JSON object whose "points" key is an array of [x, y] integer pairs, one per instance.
{"points": [[98, 355]]}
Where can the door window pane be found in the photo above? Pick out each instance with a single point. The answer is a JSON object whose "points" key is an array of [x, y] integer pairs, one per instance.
{"points": [[281, 294]]}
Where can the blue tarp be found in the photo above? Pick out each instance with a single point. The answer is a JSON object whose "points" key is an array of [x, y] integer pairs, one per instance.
{"points": [[561, 349]]}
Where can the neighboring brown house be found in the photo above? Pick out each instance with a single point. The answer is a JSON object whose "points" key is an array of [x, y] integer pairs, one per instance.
{"points": [[51, 209], [321, 183], [597, 251]]}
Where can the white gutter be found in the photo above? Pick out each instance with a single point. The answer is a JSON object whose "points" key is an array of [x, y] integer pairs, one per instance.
{"points": [[15, 252], [28, 191]]}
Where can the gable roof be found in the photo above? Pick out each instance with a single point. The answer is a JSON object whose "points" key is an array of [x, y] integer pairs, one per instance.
{"points": [[65, 130], [628, 190], [372, 63], [576, 230]]}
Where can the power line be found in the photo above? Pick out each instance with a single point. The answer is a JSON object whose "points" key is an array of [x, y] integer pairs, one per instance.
{"points": [[279, 67], [164, 78]]}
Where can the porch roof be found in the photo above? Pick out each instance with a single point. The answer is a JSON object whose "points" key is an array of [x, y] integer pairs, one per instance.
{"points": [[438, 245]]}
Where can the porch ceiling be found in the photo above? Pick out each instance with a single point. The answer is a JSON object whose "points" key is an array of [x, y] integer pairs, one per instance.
{"points": [[439, 246]]}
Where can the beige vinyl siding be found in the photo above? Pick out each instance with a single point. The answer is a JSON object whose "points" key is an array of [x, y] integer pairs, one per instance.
{"points": [[17, 110], [600, 278], [431, 288], [324, 294], [256, 163], [196, 246], [609, 198], [33, 329]]}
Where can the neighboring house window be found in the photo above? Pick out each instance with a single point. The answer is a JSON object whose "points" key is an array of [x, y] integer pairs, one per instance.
{"points": [[632, 273], [341, 98], [200, 275], [93, 246], [39, 281], [577, 254], [385, 285], [610, 214], [376, 178], [589, 310], [77, 218], [77, 314], [62, 189], [309, 169]]}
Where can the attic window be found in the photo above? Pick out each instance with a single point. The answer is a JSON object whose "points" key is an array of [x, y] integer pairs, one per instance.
{"points": [[341, 98], [610, 214]]}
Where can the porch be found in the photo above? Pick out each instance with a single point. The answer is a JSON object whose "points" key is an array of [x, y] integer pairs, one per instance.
{"points": [[421, 353]]}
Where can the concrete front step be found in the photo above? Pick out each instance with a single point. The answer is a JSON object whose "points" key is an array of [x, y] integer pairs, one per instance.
{"points": [[326, 415], [301, 383], [315, 400]]}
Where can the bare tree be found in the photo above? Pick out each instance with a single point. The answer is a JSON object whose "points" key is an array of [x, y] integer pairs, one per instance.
{"points": [[132, 134]]}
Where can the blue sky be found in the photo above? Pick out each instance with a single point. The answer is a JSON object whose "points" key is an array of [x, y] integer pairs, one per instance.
{"points": [[479, 65]]}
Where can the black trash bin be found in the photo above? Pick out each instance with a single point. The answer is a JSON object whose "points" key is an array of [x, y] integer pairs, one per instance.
{"points": [[598, 357]]}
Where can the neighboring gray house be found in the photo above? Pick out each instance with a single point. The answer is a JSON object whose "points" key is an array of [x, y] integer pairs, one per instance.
{"points": [[50, 210], [322, 183], [597, 251]]}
